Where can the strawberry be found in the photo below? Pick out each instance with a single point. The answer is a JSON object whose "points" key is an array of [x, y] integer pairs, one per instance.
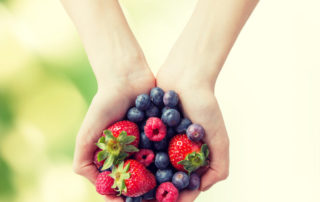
{"points": [[186, 155], [132, 179], [104, 183], [118, 142]]}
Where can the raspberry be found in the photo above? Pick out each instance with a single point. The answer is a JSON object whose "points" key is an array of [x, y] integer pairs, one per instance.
{"points": [[167, 192], [144, 156], [104, 183], [154, 129]]}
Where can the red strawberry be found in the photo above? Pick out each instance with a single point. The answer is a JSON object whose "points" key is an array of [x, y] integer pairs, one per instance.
{"points": [[117, 143], [104, 183], [186, 155], [132, 179]]}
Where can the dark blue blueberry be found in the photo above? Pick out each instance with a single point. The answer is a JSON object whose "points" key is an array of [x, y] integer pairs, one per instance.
{"points": [[183, 125], [131, 199], [143, 102], [108, 169], [152, 167], [141, 125], [170, 98], [152, 111], [170, 133], [195, 132], [194, 182], [164, 175], [156, 96], [150, 194], [135, 115], [161, 160], [171, 117], [161, 145], [180, 180], [145, 143]]}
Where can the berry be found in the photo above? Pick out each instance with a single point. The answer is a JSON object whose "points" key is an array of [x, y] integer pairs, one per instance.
{"points": [[171, 117], [132, 179], [144, 156], [143, 101], [152, 111], [194, 182], [183, 125], [161, 160], [149, 195], [104, 183], [161, 145], [145, 143], [186, 155], [195, 132], [135, 115], [164, 175], [167, 192], [136, 199], [170, 133], [154, 129], [170, 98], [142, 124], [156, 96], [117, 142], [180, 180]]}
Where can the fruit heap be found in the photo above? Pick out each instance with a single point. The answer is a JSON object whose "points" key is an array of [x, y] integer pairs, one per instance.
{"points": [[153, 154]]}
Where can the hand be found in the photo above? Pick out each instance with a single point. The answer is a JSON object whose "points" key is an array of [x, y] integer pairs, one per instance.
{"points": [[115, 95], [201, 106]]}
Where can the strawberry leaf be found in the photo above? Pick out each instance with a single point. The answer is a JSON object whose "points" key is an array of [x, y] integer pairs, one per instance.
{"points": [[108, 135], [102, 139], [102, 155], [101, 145], [205, 150], [108, 163], [130, 148]]}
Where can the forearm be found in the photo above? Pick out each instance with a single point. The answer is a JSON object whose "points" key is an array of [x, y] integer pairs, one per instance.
{"points": [[211, 33], [105, 34]]}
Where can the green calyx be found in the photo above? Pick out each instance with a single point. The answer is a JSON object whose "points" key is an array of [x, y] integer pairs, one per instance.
{"points": [[195, 160], [119, 175], [114, 149]]}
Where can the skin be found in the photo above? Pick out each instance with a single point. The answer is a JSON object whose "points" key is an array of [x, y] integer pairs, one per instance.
{"points": [[191, 70]]}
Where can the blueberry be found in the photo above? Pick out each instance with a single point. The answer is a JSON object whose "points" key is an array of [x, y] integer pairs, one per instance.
{"points": [[131, 199], [161, 145], [109, 169], [161, 160], [171, 117], [170, 98], [153, 168], [194, 182], [135, 115], [170, 133], [150, 194], [195, 132], [145, 143], [143, 102], [156, 96], [183, 125], [141, 125], [164, 175], [180, 180], [152, 111]]}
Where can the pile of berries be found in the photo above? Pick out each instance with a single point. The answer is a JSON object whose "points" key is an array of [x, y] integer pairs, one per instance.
{"points": [[153, 154]]}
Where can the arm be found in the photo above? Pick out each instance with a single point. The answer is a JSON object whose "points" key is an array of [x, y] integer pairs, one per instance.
{"points": [[120, 69], [192, 68]]}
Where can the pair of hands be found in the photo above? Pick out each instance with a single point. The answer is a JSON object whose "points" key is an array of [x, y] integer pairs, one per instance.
{"points": [[117, 93]]}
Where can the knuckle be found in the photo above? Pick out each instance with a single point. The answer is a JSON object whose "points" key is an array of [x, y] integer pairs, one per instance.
{"points": [[76, 169], [223, 175]]}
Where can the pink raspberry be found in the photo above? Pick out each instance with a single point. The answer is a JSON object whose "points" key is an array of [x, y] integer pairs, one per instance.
{"points": [[167, 192], [144, 156], [104, 183], [154, 129], [95, 159]]}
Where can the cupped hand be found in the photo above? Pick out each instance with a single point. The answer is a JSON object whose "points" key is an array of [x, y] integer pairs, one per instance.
{"points": [[110, 104], [200, 106]]}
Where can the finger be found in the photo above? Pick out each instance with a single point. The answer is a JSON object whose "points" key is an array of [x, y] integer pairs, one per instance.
{"points": [[97, 118], [188, 196], [219, 159]]}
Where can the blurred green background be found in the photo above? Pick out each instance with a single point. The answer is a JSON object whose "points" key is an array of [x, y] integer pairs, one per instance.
{"points": [[46, 85]]}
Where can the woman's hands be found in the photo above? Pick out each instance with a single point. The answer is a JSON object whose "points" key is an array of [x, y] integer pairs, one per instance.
{"points": [[115, 95]]}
